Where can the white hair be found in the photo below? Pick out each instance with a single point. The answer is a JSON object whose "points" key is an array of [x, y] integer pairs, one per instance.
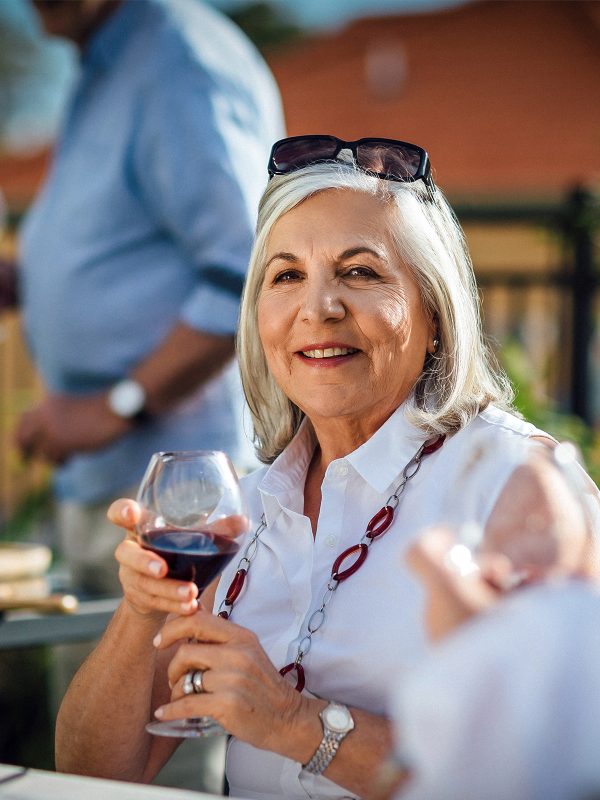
{"points": [[460, 379]]}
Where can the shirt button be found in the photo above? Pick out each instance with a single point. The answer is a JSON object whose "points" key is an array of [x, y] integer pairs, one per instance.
{"points": [[340, 470], [330, 541]]}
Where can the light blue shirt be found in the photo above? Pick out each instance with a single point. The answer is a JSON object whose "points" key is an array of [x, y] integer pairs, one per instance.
{"points": [[147, 219]]}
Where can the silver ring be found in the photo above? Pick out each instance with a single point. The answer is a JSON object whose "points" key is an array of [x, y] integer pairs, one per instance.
{"points": [[188, 686], [197, 677]]}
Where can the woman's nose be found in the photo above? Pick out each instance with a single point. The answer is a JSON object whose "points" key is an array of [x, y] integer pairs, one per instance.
{"points": [[322, 301]]}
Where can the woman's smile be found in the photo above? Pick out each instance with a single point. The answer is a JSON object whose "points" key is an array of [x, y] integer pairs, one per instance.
{"points": [[340, 315], [327, 354]]}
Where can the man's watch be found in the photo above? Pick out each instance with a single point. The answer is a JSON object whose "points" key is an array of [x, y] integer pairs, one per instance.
{"points": [[337, 723], [127, 399]]}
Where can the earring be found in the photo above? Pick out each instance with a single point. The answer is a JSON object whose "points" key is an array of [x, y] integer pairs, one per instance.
{"points": [[436, 344]]}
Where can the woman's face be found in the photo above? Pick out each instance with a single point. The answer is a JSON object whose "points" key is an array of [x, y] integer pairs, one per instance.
{"points": [[340, 317]]}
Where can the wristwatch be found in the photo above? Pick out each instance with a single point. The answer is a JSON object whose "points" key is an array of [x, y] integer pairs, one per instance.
{"points": [[337, 723], [127, 399]]}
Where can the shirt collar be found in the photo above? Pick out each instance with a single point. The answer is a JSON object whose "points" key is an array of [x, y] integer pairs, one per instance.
{"points": [[381, 459], [105, 44], [287, 474]]}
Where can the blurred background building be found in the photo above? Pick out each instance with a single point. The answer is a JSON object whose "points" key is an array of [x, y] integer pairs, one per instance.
{"points": [[505, 96]]}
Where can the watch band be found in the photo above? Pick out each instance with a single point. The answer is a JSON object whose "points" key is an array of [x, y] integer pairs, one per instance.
{"points": [[325, 753], [337, 723]]}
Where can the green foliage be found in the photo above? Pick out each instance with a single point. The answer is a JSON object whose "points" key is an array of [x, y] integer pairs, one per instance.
{"points": [[29, 515], [541, 411], [265, 25]]}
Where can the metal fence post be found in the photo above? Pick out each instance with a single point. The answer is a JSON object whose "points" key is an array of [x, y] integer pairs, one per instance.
{"points": [[580, 222]]}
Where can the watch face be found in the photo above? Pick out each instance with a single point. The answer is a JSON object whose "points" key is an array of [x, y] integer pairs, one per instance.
{"points": [[127, 398], [337, 718]]}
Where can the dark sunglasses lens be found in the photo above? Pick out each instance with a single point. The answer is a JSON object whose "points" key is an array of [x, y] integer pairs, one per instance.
{"points": [[299, 153], [388, 159]]}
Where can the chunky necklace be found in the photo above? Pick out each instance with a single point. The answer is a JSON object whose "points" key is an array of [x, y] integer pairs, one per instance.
{"points": [[376, 527]]}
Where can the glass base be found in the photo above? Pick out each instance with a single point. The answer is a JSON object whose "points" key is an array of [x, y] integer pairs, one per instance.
{"points": [[192, 728]]}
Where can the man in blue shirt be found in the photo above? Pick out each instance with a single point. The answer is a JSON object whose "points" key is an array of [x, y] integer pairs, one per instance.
{"points": [[134, 254]]}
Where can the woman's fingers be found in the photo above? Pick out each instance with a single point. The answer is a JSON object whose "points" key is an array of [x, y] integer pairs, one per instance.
{"points": [[202, 628], [146, 603], [205, 642], [125, 513], [192, 706], [190, 657], [132, 555], [145, 585]]}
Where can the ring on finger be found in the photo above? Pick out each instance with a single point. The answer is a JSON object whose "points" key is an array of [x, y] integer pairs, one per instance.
{"points": [[197, 677], [187, 686]]}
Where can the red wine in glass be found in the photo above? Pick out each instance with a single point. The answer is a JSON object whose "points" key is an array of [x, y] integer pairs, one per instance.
{"points": [[197, 556]]}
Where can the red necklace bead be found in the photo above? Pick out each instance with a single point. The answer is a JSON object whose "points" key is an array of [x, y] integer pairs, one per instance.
{"points": [[380, 522], [363, 551], [300, 676], [434, 445], [236, 587]]}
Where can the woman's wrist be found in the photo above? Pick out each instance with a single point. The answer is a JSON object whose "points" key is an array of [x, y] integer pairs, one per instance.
{"points": [[300, 731], [151, 620]]}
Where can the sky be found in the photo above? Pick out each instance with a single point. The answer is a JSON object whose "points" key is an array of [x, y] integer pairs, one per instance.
{"points": [[36, 71], [327, 13]]}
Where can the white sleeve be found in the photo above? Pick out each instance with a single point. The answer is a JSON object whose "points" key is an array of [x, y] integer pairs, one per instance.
{"points": [[508, 708]]}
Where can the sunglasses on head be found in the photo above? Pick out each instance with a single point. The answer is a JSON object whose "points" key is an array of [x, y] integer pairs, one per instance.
{"points": [[389, 159]]}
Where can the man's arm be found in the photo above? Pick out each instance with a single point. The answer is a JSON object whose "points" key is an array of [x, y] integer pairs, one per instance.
{"points": [[64, 424], [186, 359]]}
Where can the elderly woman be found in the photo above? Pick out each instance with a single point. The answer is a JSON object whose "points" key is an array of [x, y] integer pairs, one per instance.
{"points": [[367, 378]]}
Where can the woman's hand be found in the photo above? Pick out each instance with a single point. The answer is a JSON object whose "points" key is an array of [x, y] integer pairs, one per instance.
{"points": [[242, 689], [142, 573]]}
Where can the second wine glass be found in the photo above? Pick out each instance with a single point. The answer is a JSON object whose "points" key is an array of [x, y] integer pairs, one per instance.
{"points": [[539, 522]]}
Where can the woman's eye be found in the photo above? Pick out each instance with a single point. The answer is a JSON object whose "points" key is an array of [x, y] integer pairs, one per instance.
{"points": [[360, 272], [287, 276]]}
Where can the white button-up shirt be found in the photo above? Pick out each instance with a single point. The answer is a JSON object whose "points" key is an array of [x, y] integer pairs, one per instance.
{"points": [[373, 632]]}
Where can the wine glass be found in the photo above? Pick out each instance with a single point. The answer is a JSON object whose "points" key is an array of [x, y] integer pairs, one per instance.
{"points": [[540, 524], [193, 516]]}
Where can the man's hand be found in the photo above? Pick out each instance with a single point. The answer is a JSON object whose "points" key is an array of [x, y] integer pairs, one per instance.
{"points": [[62, 425], [66, 424]]}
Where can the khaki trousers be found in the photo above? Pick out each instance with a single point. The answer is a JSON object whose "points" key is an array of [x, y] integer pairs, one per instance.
{"points": [[87, 541]]}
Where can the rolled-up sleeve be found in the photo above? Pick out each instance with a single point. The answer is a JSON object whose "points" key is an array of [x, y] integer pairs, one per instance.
{"points": [[200, 165]]}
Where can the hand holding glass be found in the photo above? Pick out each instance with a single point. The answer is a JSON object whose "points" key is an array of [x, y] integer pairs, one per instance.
{"points": [[193, 516]]}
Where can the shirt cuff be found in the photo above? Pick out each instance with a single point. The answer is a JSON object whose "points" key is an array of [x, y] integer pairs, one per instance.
{"points": [[212, 310]]}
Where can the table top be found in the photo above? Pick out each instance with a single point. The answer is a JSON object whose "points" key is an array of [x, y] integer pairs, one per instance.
{"points": [[30, 629], [17, 783]]}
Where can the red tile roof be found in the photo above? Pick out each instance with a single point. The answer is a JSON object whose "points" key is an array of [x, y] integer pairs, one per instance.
{"points": [[505, 94]]}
